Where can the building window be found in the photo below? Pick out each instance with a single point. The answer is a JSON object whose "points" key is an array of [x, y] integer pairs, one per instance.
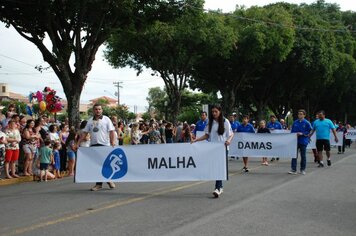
{"points": [[4, 89]]}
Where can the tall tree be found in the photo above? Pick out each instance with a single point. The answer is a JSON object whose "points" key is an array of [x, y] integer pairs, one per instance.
{"points": [[171, 49], [76, 30], [258, 46]]}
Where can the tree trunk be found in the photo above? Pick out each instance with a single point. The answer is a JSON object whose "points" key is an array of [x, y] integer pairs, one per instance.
{"points": [[261, 111], [73, 99], [176, 99], [73, 89], [228, 100]]}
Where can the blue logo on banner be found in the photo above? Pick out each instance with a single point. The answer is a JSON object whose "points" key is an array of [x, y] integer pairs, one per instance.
{"points": [[115, 165]]}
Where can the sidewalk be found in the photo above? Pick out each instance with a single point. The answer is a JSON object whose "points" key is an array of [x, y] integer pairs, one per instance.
{"points": [[22, 179]]}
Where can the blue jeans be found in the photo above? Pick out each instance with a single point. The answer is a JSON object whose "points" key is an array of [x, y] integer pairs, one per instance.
{"points": [[218, 183], [169, 140], [303, 158]]}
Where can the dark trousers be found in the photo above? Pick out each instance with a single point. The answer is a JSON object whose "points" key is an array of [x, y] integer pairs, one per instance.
{"points": [[342, 148], [63, 158]]}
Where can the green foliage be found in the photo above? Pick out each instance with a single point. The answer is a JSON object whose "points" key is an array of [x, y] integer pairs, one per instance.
{"points": [[171, 48], [76, 30], [191, 105], [20, 106]]}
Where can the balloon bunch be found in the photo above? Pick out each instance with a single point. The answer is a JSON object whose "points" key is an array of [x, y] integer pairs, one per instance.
{"points": [[47, 100]]}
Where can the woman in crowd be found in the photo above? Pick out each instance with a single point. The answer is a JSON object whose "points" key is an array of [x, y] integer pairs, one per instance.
{"points": [[218, 130], [71, 150], [116, 133], [12, 149], [63, 135], [186, 135], [53, 134], [169, 132], [86, 141], [136, 134], [30, 144], [154, 134], [120, 132], [2, 149], [144, 130]]}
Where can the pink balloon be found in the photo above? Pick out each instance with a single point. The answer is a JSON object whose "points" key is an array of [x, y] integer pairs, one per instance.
{"points": [[39, 96]]}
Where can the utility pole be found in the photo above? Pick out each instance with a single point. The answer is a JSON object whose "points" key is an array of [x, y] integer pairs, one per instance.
{"points": [[117, 84]]}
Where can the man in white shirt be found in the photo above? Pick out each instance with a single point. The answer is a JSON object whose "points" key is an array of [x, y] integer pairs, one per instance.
{"points": [[102, 133]]}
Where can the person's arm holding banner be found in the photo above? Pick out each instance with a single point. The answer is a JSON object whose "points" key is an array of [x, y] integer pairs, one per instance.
{"points": [[202, 138], [81, 138], [112, 138], [229, 134]]}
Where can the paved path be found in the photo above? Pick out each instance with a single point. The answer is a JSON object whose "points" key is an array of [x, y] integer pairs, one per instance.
{"points": [[266, 201]]}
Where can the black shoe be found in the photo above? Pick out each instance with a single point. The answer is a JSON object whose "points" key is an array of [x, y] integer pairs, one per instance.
{"points": [[329, 163], [273, 159], [321, 165], [277, 158]]}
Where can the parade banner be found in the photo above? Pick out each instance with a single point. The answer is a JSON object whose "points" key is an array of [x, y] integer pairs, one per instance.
{"points": [[282, 145], [351, 134], [340, 136], [280, 131], [150, 163]]}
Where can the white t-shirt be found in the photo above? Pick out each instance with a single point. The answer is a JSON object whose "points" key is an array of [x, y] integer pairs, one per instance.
{"points": [[99, 130], [2, 136], [54, 137], [214, 136]]}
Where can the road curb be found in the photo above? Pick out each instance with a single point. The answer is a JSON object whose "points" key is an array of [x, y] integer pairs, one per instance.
{"points": [[22, 179]]}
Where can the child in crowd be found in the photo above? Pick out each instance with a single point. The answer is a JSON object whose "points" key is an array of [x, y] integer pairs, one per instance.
{"points": [[71, 150], [262, 129], [57, 161], [46, 158]]}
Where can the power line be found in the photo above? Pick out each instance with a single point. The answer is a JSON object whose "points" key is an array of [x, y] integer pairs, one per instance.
{"points": [[13, 59]]}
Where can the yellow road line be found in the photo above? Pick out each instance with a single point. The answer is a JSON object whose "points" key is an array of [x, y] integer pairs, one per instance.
{"points": [[110, 206]]}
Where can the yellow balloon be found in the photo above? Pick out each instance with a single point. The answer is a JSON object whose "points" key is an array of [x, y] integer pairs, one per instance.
{"points": [[42, 106]]}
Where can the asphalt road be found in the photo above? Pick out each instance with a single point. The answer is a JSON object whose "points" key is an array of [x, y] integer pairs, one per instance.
{"points": [[266, 201]]}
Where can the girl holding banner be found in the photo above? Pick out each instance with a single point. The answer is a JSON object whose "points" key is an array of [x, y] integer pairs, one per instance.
{"points": [[218, 130]]}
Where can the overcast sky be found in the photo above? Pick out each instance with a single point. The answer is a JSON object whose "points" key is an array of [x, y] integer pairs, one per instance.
{"points": [[18, 58]]}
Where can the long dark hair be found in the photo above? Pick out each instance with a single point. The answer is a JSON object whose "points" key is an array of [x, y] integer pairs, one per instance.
{"points": [[221, 119], [28, 124]]}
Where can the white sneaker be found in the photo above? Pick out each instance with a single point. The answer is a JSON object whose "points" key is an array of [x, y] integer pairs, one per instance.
{"points": [[217, 193], [292, 172], [111, 185], [302, 172]]}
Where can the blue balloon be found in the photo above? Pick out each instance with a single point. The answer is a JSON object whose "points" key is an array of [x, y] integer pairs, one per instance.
{"points": [[28, 110]]}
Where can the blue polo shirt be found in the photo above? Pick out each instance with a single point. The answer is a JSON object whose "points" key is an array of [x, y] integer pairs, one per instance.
{"points": [[245, 128], [322, 128], [302, 126], [274, 125], [234, 125], [200, 125]]}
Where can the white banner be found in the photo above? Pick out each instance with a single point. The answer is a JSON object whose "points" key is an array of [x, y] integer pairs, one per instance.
{"points": [[264, 145], [156, 162], [351, 134], [280, 131], [340, 136]]}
